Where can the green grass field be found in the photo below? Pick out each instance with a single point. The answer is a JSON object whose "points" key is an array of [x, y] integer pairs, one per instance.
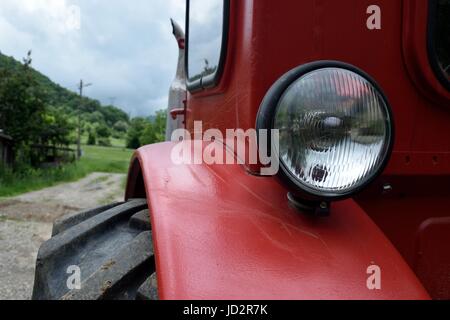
{"points": [[106, 159], [95, 159], [118, 143]]}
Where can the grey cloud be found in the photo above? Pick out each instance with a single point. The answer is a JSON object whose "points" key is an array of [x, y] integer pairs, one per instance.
{"points": [[124, 47]]}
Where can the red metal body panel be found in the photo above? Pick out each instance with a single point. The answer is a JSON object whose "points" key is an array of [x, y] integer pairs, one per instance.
{"points": [[402, 215], [220, 233]]}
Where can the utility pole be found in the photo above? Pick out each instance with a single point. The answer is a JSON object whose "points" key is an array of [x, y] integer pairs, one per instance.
{"points": [[81, 86]]}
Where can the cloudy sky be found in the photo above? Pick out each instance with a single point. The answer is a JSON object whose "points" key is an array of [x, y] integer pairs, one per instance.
{"points": [[124, 47]]}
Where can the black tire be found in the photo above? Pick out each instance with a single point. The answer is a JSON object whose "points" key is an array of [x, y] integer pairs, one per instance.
{"points": [[111, 246]]}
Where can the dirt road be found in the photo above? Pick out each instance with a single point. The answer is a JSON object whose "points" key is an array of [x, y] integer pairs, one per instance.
{"points": [[26, 222]]}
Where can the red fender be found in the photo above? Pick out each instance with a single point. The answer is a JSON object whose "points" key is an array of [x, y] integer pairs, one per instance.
{"points": [[220, 233]]}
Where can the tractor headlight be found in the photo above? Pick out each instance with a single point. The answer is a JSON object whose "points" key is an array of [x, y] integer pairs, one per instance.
{"points": [[335, 128]]}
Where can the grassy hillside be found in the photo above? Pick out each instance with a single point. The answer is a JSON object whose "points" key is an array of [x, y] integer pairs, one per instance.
{"points": [[93, 114]]}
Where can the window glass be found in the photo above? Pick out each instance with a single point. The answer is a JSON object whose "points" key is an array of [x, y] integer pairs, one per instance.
{"points": [[441, 36], [205, 37]]}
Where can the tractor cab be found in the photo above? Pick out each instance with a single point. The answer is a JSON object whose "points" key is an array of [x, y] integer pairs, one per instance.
{"points": [[247, 61]]}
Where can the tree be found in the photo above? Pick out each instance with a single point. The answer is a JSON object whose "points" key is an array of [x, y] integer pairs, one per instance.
{"points": [[92, 138], [155, 131], [103, 131], [160, 125], [137, 127], [148, 135], [22, 104], [90, 106], [112, 115], [56, 128], [121, 126], [94, 117]]}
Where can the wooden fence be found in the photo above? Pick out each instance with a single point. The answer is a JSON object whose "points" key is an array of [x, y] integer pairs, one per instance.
{"points": [[51, 155]]}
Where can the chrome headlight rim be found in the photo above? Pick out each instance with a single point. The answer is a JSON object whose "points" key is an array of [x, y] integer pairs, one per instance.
{"points": [[266, 120]]}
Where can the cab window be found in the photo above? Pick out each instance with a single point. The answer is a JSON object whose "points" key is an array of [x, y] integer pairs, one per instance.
{"points": [[439, 42], [207, 22]]}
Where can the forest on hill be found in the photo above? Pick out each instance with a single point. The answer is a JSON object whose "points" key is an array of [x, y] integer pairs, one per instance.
{"points": [[34, 110]]}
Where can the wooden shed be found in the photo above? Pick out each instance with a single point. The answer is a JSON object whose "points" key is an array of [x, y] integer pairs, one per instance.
{"points": [[6, 149]]}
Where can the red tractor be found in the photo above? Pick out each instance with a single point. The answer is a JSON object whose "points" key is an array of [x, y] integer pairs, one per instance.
{"points": [[349, 103]]}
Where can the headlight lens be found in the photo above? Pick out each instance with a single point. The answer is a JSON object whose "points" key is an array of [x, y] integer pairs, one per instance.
{"points": [[335, 131]]}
